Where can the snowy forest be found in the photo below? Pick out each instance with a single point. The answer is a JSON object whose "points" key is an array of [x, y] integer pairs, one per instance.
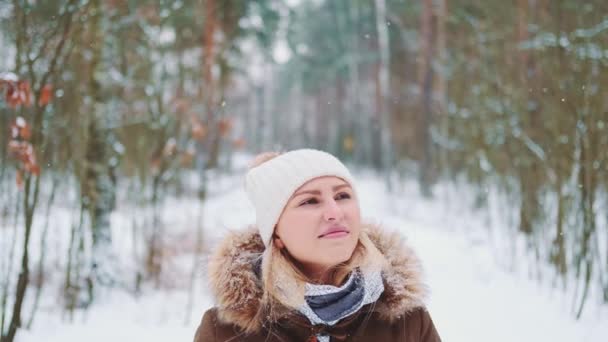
{"points": [[125, 124]]}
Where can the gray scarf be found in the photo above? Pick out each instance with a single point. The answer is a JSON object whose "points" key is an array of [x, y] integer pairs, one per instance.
{"points": [[327, 304]]}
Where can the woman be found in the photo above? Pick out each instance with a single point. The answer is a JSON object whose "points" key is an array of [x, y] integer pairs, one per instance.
{"points": [[310, 270]]}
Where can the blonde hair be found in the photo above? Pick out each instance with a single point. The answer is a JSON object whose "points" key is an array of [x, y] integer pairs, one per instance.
{"points": [[283, 282]]}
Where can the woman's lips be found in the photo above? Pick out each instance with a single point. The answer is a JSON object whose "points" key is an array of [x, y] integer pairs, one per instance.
{"points": [[335, 232], [335, 235]]}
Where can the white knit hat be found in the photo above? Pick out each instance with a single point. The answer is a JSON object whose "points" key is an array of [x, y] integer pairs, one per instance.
{"points": [[271, 184]]}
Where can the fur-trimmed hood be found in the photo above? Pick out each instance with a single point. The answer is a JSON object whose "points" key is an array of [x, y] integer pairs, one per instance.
{"points": [[237, 288]]}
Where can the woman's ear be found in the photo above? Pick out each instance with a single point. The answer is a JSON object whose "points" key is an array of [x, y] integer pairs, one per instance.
{"points": [[278, 242]]}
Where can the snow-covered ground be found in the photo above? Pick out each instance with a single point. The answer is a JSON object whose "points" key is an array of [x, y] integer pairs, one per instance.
{"points": [[473, 297]]}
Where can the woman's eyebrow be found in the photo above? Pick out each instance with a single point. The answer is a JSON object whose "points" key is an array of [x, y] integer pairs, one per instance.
{"points": [[338, 187], [317, 192], [312, 192]]}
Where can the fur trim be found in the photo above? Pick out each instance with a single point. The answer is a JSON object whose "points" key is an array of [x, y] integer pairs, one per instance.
{"points": [[237, 288]]}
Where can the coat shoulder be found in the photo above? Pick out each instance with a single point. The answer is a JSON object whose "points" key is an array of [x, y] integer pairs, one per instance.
{"points": [[206, 329], [213, 329], [419, 325], [210, 327]]}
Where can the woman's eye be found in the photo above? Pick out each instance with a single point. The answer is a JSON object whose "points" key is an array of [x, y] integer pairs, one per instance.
{"points": [[343, 195], [310, 201]]}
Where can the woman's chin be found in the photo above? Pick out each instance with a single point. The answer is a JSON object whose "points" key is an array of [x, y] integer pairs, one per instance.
{"points": [[338, 258]]}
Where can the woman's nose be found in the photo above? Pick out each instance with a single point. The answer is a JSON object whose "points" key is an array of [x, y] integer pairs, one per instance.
{"points": [[332, 211]]}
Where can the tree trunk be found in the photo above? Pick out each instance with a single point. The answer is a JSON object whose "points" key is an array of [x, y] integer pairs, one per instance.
{"points": [[425, 79], [530, 169], [29, 203], [558, 256], [587, 193], [384, 90], [355, 105], [210, 84], [442, 95], [41, 260], [9, 271], [99, 188]]}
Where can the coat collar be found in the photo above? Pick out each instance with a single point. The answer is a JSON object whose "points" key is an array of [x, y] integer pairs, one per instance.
{"points": [[237, 289]]}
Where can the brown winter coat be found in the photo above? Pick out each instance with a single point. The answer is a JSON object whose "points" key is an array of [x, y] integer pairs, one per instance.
{"points": [[398, 315]]}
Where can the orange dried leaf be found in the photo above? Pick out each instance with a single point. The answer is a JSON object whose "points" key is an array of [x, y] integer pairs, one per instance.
{"points": [[20, 129], [18, 94], [24, 93], [25, 133], [12, 96], [45, 95], [35, 169]]}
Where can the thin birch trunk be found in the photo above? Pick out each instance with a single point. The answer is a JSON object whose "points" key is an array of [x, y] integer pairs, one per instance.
{"points": [[384, 90]]}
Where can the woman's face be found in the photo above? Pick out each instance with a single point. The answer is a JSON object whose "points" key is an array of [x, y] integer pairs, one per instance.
{"points": [[320, 224]]}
